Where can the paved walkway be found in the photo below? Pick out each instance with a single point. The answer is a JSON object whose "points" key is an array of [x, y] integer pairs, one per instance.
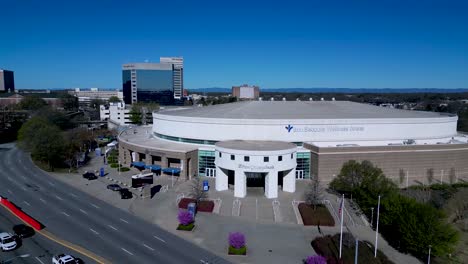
{"points": [[268, 242]]}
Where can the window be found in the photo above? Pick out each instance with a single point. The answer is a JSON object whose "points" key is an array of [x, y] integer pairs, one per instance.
{"points": [[291, 156], [280, 158], [246, 158], [266, 159], [233, 157], [220, 154]]}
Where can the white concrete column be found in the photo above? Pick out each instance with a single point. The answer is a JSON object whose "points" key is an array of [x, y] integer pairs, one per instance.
{"points": [[221, 180], [289, 181], [240, 184], [271, 185]]}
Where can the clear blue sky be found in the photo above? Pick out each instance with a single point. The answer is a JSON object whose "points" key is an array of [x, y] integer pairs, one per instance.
{"points": [[275, 44]]}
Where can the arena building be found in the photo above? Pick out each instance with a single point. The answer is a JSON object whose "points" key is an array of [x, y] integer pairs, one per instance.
{"points": [[276, 144]]}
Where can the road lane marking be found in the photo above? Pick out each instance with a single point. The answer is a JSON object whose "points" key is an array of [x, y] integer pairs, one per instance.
{"points": [[95, 206], [24, 188], [10, 192], [39, 260], [148, 247], [160, 239], [83, 211], [94, 231], [58, 197], [65, 214], [112, 227], [22, 176], [127, 251], [204, 261], [9, 179], [42, 200], [51, 184], [123, 220], [27, 203]]}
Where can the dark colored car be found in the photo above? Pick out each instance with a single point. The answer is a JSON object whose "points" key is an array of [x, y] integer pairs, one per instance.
{"points": [[125, 193], [23, 231], [89, 176], [114, 187]]}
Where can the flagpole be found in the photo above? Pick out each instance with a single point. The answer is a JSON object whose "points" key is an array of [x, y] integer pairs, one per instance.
{"points": [[341, 225], [377, 228]]}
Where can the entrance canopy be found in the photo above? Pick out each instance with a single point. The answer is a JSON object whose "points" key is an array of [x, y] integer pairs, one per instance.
{"points": [[171, 170], [138, 164], [153, 167]]}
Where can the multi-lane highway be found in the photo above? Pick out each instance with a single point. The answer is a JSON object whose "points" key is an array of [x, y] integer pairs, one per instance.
{"points": [[79, 218]]}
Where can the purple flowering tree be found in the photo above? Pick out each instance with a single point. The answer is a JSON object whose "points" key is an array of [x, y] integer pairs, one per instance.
{"points": [[184, 217], [316, 260], [237, 240]]}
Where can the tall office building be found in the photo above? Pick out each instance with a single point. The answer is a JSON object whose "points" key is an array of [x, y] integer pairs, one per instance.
{"points": [[153, 82], [7, 81]]}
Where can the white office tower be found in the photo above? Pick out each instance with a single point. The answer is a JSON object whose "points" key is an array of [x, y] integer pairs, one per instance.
{"points": [[177, 74]]}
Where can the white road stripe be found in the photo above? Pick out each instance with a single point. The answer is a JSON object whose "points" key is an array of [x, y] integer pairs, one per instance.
{"points": [[94, 231], [24, 188], [73, 195], [127, 251], [123, 220], [27, 203], [148, 247], [42, 200], [95, 206], [10, 192], [160, 239], [39, 260], [204, 261], [22, 176], [112, 227], [65, 214], [51, 184], [58, 197], [83, 211], [9, 179]]}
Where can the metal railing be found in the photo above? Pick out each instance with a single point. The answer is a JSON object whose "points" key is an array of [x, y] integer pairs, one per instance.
{"points": [[236, 204]]}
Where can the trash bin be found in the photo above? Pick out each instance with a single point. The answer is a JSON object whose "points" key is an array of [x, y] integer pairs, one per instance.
{"points": [[101, 172], [206, 186], [192, 208], [98, 152]]}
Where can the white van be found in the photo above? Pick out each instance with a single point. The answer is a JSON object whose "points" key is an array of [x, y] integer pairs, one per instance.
{"points": [[7, 241]]}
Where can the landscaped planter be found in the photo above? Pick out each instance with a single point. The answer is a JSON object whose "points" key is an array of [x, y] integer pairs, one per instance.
{"points": [[237, 251], [188, 227], [237, 244], [319, 216], [202, 206]]}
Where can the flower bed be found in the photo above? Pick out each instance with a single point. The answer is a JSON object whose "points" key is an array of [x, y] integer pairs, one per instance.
{"points": [[319, 216], [237, 244], [329, 247], [202, 206]]}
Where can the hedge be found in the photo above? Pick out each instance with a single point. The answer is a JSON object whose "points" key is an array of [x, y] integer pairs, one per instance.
{"points": [[319, 216]]}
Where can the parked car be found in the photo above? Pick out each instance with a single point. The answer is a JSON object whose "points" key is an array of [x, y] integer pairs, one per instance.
{"points": [[89, 176], [23, 231], [7, 241], [114, 187], [125, 193], [65, 259]]}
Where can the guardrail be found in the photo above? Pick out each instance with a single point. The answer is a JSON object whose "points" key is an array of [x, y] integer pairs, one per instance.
{"points": [[236, 204]]}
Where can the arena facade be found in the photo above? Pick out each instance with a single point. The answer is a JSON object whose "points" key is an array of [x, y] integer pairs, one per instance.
{"points": [[276, 144]]}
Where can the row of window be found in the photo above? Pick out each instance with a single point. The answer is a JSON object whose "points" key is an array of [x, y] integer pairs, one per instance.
{"points": [[265, 159]]}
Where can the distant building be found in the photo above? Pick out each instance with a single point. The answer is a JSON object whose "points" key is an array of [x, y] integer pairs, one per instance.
{"points": [[246, 92], [86, 96], [116, 113], [52, 99], [7, 81], [153, 82]]}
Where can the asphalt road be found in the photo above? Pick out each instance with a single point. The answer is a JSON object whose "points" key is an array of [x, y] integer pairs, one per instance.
{"points": [[39, 248], [81, 219]]}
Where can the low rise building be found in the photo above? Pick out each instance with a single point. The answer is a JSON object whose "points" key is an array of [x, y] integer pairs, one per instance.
{"points": [[85, 96], [246, 91]]}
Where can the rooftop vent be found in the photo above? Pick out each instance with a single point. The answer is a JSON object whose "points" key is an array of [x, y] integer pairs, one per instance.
{"points": [[333, 98], [310, 99], [321, 99], [272, 99], [284, 99]]}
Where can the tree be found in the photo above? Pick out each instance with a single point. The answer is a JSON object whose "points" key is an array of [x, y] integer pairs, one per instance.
{"points": [[430, 176], [48, 146], [32, 103], [69, 102], [138, 113], [314, 193], [96, 102], [401, 175], [28, 130], [114, 99], [196, 190]]}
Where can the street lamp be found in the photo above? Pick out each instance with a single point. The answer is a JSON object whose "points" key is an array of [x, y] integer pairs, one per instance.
{"points": [[429, 255], [20, 256], [172, 179]]}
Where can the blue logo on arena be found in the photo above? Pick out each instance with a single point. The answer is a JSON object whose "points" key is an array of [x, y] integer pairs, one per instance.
{"points": [[289, 128]]}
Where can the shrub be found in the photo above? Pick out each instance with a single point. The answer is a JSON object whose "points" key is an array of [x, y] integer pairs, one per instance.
{"points": [[114, 165], [316, 260], [237, 251], [185, 217], [237, 240], [124, 169]]}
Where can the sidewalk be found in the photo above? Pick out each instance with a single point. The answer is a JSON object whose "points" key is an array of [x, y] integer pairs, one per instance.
{"points": [[267, 241]]}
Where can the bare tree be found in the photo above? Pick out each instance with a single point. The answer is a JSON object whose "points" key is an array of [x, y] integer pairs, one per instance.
{"points": [[430, 176], [402, 175], [314, 193], [452, 175], [457, 206], [196, 190]]}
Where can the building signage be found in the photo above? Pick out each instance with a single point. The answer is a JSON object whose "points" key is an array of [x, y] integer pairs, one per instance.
{"points": [[253, 167], [329, 129]]}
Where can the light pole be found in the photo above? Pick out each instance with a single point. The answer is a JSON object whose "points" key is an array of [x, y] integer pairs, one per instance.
{"points": [[429, 255], [377, 228], [20, 256], [372, 217], [119, 167], [172, 179]]}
